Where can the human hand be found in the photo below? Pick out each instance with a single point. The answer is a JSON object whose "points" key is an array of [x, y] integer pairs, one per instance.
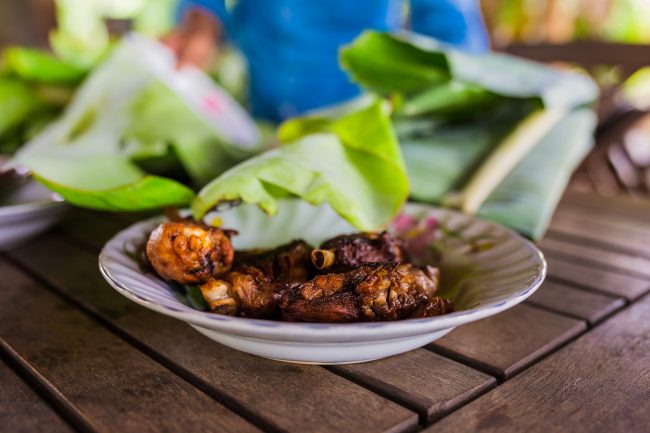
{"points": [[194, 41]]}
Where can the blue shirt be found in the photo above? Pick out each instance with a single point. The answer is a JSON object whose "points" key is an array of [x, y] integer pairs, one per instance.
{"points": [[292, 45]]}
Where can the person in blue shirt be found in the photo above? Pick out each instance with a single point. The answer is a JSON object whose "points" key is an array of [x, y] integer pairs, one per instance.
{"points": [[291, 46]]}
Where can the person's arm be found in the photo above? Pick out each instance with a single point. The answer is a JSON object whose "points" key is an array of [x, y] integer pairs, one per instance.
{"points": [[456, 22], [194, 40]]}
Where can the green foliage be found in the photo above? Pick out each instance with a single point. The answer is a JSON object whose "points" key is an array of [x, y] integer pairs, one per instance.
{"points": [[468, 123], [348, 157]]}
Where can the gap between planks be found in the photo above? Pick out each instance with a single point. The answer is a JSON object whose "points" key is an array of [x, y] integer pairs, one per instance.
{"points": [[43, 389], [500, 376]]}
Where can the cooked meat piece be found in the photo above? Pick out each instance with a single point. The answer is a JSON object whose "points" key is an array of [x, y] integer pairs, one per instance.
{"points": [[287, 264], [343, 253], [338, 308], [220, 297], [258, 279], [377, 291], [188, 252]]}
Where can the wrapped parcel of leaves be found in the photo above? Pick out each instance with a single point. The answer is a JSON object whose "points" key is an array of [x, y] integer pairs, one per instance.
{"points": [[348, 157], [466, 122], [120, 132]]}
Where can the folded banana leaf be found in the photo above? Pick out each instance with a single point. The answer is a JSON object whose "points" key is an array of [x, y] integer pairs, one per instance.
{"points": [[347, 157], [527, 197], [412, 64], [467, 122], [120, 120]]}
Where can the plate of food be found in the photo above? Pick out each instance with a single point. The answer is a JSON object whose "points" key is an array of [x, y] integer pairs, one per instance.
{"points": [[26, 209], [303, 286]]}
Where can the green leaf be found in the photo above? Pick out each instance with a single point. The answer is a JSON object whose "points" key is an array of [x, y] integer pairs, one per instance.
{"points": [[384, 64], [160, 119], [330, 160], [438, 163], [411, 63], [527, 197], [34, 65], [450, 97], [441, 157], [120, 187], [17, 103], [361, 124], [509, 152]]}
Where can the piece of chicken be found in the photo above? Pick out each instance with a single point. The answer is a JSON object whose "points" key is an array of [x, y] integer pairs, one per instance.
{"points": [[189, 252], [346, 252], [377, 291], [258, 279]]}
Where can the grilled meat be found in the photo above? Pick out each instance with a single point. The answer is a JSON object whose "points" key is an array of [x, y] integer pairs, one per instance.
{"points": [[343, 253], [368, 276], [188, 252], [258, 279], [377, 291]]}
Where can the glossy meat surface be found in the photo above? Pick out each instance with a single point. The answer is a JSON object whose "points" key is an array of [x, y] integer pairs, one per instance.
{"points": [[258, 280], [346, 252], [188, 252], [377, 291]]}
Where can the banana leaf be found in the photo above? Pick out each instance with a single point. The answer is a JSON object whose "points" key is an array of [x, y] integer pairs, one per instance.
{"points": [[410, 63], [159, 121], [17, 103], [106, 183], [34, 65], [486, 114], [348, 157], [121, 116], [527, 197]]}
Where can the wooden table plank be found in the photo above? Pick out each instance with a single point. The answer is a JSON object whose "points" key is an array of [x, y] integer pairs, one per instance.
{"points": [[422, 380], [287, 397], [594, 277], [22, 411], [109, 384], [590, 306], [600, 382], [627, 238], [623, 206], [510, 341], [591, 255], [607, 215]]}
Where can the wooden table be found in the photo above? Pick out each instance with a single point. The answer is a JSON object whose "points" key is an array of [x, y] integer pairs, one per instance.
{"points": [[575, 357]]}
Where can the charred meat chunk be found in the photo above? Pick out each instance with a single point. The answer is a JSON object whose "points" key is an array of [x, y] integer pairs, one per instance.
{"points": [[189, 252], [345, 252], [377, 291], [258, 279]]}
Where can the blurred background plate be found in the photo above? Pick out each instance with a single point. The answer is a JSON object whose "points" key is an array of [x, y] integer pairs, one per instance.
{"points": [[26, 209]]}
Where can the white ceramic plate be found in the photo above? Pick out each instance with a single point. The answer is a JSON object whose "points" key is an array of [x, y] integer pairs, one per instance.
{"points": [[498, 269], [26, 212]]}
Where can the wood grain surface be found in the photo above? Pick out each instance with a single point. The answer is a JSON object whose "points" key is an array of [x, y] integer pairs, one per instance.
{"points": [[23, 411], [578, 303], [625, 207], [597, 257], [283, 396], [613, 234], [424, 381], [612, 282], [109, 385], [510, 341], [599, 383]]}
